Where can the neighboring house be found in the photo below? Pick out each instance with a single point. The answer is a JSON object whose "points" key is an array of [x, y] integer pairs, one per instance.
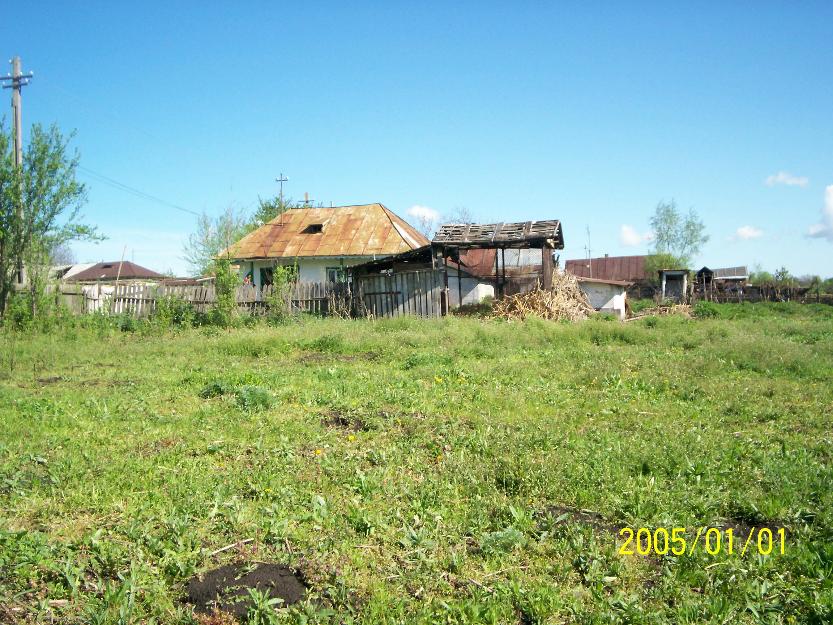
{"points": [[323, 242], [123, 271], [607, 296]]}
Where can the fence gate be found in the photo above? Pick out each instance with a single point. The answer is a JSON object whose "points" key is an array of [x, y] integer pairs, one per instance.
{"points": [[406, 293]]}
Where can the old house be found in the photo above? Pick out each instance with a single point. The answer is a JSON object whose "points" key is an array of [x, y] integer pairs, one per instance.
{"points": [[323, 242]]}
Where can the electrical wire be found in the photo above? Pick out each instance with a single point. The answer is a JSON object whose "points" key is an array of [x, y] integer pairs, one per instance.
{"points": [[138, 193]]}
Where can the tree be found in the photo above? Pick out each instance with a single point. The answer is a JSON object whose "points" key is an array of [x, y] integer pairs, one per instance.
{"points": [[39, 207], [783, 278], [268, 209], [425, 224], [679, 237], [62, 254], [655, 262], [212, 237], [459, 215], [226, 280]]}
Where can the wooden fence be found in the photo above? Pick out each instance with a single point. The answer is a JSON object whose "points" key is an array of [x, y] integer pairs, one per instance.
{"points": [[417, 293], [139, 300]]}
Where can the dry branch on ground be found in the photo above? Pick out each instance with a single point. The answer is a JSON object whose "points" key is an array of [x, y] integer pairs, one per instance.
{"points": [[564, 301]]}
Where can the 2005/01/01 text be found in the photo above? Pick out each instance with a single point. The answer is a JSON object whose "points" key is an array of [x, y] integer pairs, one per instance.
{"points": [[678, 541]]}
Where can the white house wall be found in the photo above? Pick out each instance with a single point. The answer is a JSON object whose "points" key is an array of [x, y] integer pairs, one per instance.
{"points": [[309, 269]]}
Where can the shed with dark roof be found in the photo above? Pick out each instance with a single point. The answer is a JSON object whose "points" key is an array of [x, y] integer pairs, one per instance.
{"points": [[115, 270]]}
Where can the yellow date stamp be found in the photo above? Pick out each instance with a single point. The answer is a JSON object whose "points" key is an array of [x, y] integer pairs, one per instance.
{"points": [[681, 541]]}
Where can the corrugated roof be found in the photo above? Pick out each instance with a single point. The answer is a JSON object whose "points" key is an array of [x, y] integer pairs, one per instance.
{"points": [[602, 281], [362, 230], [481, 262], [109, 271], [624, 268], [731, 272]]}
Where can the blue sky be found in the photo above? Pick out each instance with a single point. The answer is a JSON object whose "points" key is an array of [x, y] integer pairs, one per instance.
{"points": [[590, 113]]}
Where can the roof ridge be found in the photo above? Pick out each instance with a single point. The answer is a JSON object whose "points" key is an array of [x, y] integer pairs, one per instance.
{"points": [[390, 215]]}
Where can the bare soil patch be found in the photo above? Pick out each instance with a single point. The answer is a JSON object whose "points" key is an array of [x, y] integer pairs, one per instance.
{"points": [[226, 589], [336, 419]]}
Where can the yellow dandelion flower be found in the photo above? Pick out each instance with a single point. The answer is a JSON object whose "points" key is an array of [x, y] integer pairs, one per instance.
{"points": [[319, 451], [438, 379], [351, 437]]}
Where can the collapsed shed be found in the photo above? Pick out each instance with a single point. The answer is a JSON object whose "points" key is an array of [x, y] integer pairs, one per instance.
{"points": [[431, 280]]}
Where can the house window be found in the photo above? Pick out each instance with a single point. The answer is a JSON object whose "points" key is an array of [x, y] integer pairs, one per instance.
{"points": [[336, 274], [289, 273]]}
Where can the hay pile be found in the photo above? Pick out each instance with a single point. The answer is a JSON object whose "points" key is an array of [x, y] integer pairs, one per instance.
{"points": [[564, 302]]}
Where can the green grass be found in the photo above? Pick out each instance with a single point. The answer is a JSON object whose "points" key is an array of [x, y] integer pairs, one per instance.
{"points": [[127, 458]]}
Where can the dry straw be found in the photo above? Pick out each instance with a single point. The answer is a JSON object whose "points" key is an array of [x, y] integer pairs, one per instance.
{"points": [[565, 301]]}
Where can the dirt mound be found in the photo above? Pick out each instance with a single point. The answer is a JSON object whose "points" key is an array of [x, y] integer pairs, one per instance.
{"points": [[338, 419], [564, 301], [227, 588]]}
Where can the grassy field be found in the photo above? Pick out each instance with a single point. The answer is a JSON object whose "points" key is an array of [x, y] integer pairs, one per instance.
{"points": [[421, 471]]}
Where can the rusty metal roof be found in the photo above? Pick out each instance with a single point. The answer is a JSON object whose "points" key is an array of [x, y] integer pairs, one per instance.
{"points": [[624, 268], [481, 262], [109, 271], [364, 230], [503, 235], [603, 281]]}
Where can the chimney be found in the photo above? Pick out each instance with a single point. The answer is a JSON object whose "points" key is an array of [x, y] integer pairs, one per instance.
{"points": [[605, 255]]}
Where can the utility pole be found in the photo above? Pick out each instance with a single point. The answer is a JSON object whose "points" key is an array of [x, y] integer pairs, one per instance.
{"points": [[589, 253], [280, 180], [16, 81]]}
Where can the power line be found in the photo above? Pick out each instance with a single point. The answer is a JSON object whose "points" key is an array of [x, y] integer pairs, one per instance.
{"points": [[138, 193]]}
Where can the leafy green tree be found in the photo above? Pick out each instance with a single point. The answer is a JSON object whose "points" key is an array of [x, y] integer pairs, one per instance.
{"points": [[655, 262], [226, 281], [677, 237], [759, 277], [39, 208], [213, 236], [268, 209], [783, 278]]}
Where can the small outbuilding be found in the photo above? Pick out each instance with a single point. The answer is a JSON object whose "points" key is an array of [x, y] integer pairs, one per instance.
{"points": [[607, 296], [674, 284]]}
